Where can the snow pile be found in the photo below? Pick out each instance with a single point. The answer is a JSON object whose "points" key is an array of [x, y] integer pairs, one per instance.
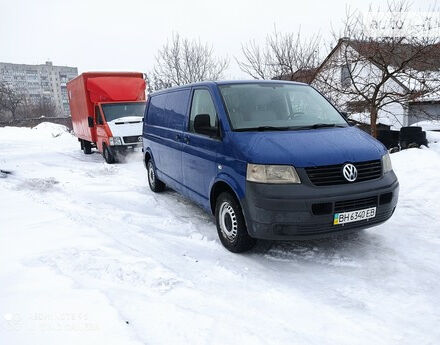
{"points": [[428, 125], [91, 256], [52, 129], [384, 120], [432, 128], [433, 137]]}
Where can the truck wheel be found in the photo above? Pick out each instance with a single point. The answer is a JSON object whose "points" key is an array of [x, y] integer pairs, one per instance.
{"points": [[107, 154], [156, 185], [86, 147], [231, 226]]}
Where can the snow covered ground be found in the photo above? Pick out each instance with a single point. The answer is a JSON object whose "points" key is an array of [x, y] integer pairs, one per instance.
{"points": [[88, 255]]}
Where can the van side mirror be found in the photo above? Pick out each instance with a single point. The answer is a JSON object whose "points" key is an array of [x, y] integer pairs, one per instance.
{"points": [[202, 125], [90, 120]]}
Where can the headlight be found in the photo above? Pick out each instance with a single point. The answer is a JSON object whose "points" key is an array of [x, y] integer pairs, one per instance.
{"points": [[272, 174], [386, 163], [115, 141]]}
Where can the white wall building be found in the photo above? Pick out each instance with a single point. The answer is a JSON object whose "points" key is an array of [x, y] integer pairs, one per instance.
{"points": [[40, 82], [365, 72]]}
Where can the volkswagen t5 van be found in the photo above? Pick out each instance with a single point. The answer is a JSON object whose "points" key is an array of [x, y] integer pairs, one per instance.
{"points": [[269, 159]]}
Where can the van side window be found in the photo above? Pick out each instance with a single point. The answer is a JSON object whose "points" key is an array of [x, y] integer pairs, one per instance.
{"points": [[156, 111], [202, 104], [176, 108], [98, 116]]}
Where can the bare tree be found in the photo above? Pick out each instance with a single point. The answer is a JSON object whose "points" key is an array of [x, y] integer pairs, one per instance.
{"points": [[371, 72], [44, 107], [182, 61], [282, 57], [10, 100], [3, 110]]}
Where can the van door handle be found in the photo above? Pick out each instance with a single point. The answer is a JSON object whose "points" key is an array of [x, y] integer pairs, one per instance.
{"points": [[186, 140], [178, 137]]}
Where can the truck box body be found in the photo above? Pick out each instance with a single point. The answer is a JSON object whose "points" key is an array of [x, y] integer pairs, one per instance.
{"points": [[91, 88]]}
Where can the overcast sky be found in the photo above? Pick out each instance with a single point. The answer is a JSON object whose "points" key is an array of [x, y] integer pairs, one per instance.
{"points": [[126, 34]]}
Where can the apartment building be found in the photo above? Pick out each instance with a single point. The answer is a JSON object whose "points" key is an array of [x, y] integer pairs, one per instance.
{"points": [[39, 82]]}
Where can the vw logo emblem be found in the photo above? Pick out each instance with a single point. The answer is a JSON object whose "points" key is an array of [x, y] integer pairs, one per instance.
{"points": [[350, 172], [139, 138]]}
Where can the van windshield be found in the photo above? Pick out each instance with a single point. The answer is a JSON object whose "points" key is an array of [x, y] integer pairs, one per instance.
{"points": [[113, 111], [277, 106]]}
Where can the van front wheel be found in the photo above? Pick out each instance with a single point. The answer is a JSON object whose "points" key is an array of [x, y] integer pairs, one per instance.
{"points": [[108, 156], [231, 226], [156, 185]]}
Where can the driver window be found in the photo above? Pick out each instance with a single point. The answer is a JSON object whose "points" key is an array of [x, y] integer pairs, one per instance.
{"points": [[301, 104], [98, 116], [202, 104]]}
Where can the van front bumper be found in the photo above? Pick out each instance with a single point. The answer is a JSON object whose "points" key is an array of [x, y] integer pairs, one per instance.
{"points": [[304, 211], [124, 149]]}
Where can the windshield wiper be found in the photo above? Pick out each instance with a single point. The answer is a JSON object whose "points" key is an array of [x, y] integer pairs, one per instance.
{"points": [[321, 125], [288, 128], [263, 128]]}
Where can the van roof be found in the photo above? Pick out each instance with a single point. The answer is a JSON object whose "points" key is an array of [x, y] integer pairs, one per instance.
{"points": [[225, 82]]}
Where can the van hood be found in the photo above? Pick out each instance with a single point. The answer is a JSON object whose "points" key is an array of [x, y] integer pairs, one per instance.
{"points": [[305, 148], [126, 126]]}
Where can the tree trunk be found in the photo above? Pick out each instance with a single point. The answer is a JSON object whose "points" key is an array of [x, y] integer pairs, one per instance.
{"points": [[373, 119]]}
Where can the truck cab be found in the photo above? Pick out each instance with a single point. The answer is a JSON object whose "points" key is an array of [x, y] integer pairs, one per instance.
{"points": [[118, 128]]}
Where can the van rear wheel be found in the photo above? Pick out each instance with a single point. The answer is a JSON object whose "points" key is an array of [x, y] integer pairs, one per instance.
{"points": [[156, 185], [231, 226], [86, 146]]}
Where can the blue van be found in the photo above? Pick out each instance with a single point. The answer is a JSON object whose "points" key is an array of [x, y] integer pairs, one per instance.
{"points": [[270, 159]]}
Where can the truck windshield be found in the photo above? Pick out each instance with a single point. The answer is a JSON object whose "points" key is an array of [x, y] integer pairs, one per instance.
{"points": [[277, 106], [113, 111]]}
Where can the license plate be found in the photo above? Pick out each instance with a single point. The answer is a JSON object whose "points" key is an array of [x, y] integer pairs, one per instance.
{"points": [[138, 149], [354, 216]]}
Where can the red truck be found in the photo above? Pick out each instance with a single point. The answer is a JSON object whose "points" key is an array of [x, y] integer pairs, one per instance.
{"points": [[107, 110]]}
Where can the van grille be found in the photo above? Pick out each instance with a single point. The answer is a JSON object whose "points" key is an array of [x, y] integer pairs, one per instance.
{"points": [[132, 139], [332, 174], [356, 204]]}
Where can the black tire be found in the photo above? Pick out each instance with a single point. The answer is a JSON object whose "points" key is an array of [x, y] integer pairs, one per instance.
{"points": [[421, 139], [231, 226], [410, 130], [86, 147], [156, 185], [409, 135], [417, 140], [108, 156]]}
